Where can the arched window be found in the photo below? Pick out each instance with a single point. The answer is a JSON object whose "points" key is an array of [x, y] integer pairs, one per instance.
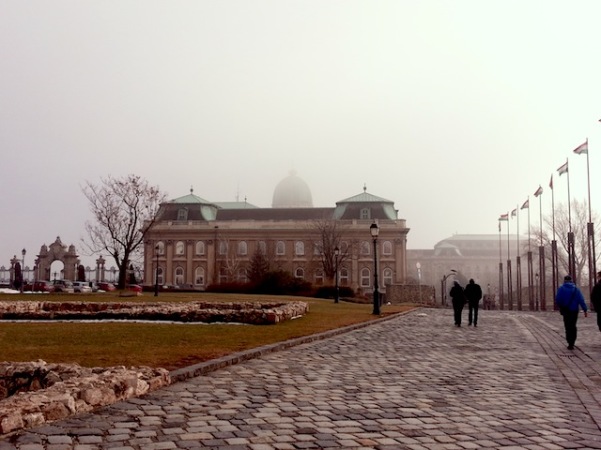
{"points": [[365, 277], [319, 277], [299, 273], [199, 276], [223, 275], [182, 214], [365, 248], [242, 248], [179, 276], [344, 248], [222, 247], [299, 248], [387, 276], [200, 248], [263, 247], [161, 248], [387, 248], [280, 248], [344, 276], [179, 248], [160, 279], [317, 246]]}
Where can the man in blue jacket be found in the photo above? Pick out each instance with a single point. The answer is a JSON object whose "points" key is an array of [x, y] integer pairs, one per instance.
{"points": [[569, 299]]}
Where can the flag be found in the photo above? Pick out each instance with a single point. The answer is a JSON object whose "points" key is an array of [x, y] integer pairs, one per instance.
{"points": [[504, 217], [539, 191], [582, 148], [526, 204], [499, 226], [551, 182], [563, 169], [514, 212]]}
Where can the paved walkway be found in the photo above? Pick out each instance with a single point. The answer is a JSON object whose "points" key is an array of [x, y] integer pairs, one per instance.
{"points": [[413, 382]]}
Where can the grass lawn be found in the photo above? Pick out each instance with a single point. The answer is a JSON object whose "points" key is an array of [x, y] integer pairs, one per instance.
{"points": [[170, 346]]}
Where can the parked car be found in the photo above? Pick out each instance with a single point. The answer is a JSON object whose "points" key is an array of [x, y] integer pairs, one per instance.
{"points": [[107, 287], [81, 287], [42, 286], [134, 287], [63, 286]]}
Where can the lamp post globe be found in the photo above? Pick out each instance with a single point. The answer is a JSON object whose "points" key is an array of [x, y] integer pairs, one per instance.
{"points": [[374, 231]]}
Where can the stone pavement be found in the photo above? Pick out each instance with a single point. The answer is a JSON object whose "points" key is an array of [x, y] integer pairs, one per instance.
{"points": [[411, 382]]}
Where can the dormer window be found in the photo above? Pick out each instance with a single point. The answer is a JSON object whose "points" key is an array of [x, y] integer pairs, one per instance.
{"points": [[365, 213], [182, 214]]}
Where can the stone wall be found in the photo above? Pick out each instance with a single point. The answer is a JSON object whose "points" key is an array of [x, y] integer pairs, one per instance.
{"points": [[34, 393], [255, 313]]}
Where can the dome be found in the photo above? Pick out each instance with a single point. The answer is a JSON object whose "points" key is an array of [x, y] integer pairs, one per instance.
{"points": [[292, 192]]}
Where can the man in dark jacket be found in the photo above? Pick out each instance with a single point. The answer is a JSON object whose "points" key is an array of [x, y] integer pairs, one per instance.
{"points": [[458, 300], [569, 299], [473, 292], [596, 299]]}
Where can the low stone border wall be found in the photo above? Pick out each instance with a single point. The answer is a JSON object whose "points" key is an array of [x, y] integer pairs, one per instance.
{"points": [[34, 393], [255, 313]]}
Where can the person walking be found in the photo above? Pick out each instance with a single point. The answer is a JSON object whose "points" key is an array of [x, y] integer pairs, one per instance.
{"points": [[596, 299], [473, 292], [458, 300], [569, 300]]}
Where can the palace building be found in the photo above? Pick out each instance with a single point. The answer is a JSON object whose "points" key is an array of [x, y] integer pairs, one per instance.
{"points": [[196, 242]]}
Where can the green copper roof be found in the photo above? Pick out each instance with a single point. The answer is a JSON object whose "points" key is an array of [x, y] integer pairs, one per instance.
{"points": [[190, 199], [365, 197]]}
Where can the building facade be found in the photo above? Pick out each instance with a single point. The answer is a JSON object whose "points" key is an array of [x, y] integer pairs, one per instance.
{"points": [[196, 243]]}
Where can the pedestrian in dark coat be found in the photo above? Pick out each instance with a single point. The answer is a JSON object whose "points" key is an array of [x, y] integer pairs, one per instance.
{"points": [[473, 292], [569, 299], [596, 299], [458, 300]]}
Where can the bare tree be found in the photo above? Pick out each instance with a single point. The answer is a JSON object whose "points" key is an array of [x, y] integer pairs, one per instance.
{"points": [[579, 220], [330, 233], [123, 209]]}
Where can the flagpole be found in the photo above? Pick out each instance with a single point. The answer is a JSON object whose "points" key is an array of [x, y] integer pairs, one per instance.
{"points": [[500, 270], [509, 287], [530, 271], [541, 252], [590, 229], [518, 263], [554, 261], [571, 255]]}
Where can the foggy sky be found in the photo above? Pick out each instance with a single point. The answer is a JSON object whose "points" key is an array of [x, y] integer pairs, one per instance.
{"points": [[455, 110]]}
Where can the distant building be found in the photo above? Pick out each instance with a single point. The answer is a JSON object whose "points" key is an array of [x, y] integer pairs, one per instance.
{"points": [[198, 242], [469, 255]]}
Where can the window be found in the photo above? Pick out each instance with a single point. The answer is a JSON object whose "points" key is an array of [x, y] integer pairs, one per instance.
{"points": [[222, 275], [344, 248], [182, 214], [159, 279], [179, 276], [200, 248], [280, 248], [365, 248], [387, 248], [344, 276], [319, 277], [179, 248], [317, 248], [199, 276], [242, 248], [161, 248], [241, 276], [299, 273], [299, 248], [222, 248], [387, 276], [263, 247], [365, 213], [365, 277]]}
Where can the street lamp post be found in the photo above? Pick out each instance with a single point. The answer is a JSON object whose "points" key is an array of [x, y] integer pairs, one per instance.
{"points": [[336, 292], [536, 291], [443, 284], [156, 273], [374, 230], [23, 269], [419, 280]]}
